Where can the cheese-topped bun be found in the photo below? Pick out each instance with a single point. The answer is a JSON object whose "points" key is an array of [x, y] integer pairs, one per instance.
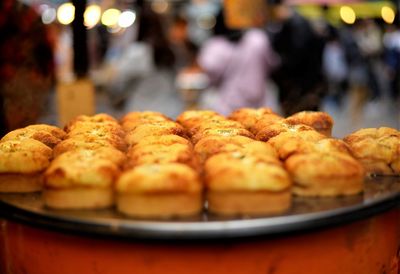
{"points": [[214, 124], [212, 145], [99, 129], [161, 154], [248, 117], [288, 143], [337, 174], [320, 121], [159, 191], [227, 132], [165, 140], [81, 179], [24, 156], [155, 129], [190, 118], [22, 133], [240, 184], [377, 149], [101, 118], [279, 127], [80, 143], [133, 119], [22, 163], [265, 121]]}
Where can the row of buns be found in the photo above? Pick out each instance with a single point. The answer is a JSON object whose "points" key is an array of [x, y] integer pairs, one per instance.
{"points": [[148, 165]]}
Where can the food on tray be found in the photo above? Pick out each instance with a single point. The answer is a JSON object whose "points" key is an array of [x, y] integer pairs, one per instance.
{"points": [[82, 179], [248, 117], [162, 154], [212, 145], [227, 132], [100, 118], [241, 184], [265, 121], [22, 163], [320, 121], [133, 119], [279, 127], [48, 135], [325, 174], [191, 118], [159, 191], [165, 140], [378, 149]]}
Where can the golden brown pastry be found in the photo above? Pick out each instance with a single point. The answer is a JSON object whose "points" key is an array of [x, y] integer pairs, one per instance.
{"points": [[155, 129], [377, 149], [240, 184], [161, 154], [213, 145], [190, 118], [227, 132], [101, 118], [264, 122], [42, 136], [165, 140], [248, 117], [159, 191], [76, 144], [81, 179], [325, 174], [213, 124], [22, 163], [133, 119], [288, 143], [96, 129], [320, 121], [279, 127], [53, 130]]}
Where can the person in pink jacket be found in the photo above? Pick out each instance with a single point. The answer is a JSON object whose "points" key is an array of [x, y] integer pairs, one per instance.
{"points": [[238, 64]]}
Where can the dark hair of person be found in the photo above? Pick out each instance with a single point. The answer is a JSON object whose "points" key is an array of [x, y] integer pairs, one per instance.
{"points": [[152, 32], [221, 29]]}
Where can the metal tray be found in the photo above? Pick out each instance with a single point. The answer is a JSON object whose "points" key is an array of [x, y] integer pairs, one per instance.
{"points": [[381, 194]]}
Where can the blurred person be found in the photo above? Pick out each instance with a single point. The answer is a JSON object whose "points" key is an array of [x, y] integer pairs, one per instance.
{"points": [[238, 63], [391, 41], [26, 65], [335, 67], [299, 77], [152, 68]]}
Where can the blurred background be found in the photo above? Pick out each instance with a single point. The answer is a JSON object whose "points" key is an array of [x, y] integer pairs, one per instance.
{"points": [[59, 59]]}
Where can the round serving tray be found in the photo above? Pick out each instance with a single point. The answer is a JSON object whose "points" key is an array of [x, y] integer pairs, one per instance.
{"points": [[381, 194]]}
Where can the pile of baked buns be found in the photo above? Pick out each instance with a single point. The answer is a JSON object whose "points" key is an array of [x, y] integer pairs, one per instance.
{"points": [[150, 166]]}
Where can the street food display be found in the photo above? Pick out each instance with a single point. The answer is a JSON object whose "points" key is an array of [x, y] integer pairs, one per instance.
{"points": [[251, 163]]}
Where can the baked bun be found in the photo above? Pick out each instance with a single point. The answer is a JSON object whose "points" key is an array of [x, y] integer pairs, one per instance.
{"points": [[320, 121], [100, 118], [227, 132], [337, 174], [81, 179], [240, 184], [162, 154], [133, 119], [213, 145], [279, 127], [213, 124], [98, 129], [22, 163], [248, 117], [190, 118], [159, 191], [377, 149], [80, 143], [265, 121], [155, 129], [165, 140], [288, 143]]}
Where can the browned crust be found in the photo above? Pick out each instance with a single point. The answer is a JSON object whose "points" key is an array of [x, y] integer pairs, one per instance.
{"points": [[142, 131], [248, 203], [20, 183], [79, 198], [248, 117], [24, 133], [264, 122], [228, 132], [160, 205], [320, 121], [279, 127]]}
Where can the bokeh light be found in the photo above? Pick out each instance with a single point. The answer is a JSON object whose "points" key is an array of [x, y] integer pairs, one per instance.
{"points": [[49, 15], [126, 19], [160, 6], [110, 17], [92, 16], [347, 14], [388, 14], [66, 13]]}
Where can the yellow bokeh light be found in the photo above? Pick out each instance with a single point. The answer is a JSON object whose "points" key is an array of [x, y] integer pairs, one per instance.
{"points": [[66, 13], [110, 17], [92, 15], [347, 14], [388, 14]]}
